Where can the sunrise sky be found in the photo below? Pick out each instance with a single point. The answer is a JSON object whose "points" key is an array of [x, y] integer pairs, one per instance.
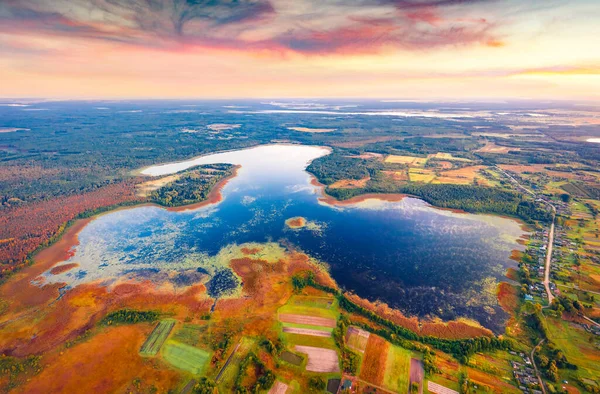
{"points": [[451, 49]]}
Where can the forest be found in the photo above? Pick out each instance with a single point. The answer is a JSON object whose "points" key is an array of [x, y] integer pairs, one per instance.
{"points": [[192, 186], [70, 158]]}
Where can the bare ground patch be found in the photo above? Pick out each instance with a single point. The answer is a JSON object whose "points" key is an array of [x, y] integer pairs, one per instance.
{"points": [[319, 359], [278, 388], [350, 183]]}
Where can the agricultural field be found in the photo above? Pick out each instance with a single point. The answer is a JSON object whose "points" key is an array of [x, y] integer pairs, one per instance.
{"points": [[239, 312], [185, 357], [397, 369], [320, 359], [375, 360], [157, 338], [412, 161], [580, 347], [357, 339]]}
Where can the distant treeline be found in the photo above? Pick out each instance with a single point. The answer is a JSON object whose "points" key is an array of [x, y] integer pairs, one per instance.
{"points": [[192, 186], [461, 349], [476, 199]]}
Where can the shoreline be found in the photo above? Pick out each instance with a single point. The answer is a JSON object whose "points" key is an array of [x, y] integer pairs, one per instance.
{"points": [[214, 196], [58, 252], [327, 199], [70, 236], [139, 171]]}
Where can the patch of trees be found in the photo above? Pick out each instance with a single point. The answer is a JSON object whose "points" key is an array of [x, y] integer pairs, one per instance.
{"points": [[222, 282], [423, 145], [468, 198], [12, 367], [130, 316], [271, 347], [317, 384], [535, 320], [204, 386], [350, 360], [192, 186], [265, 377], [337, 166], [566, 304], [550, 360]]}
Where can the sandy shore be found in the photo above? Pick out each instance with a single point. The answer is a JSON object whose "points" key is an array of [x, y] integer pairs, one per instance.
{"points": [[327, 199]]}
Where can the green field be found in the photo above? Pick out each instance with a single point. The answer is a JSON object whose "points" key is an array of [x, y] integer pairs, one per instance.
{"points": [[157, 337], [397, 369], [229, 374], [189, 334], [292, 340], [575, 344], [185, 357]]}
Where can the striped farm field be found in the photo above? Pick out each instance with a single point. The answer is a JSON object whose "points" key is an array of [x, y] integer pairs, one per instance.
{"points": [[306, 331], [157, 337], [185, 357], [357, 339], [375, 360], [309, 320]]}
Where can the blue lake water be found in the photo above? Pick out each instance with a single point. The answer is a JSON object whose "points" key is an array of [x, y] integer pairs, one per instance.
{"points": [[423, 260]]}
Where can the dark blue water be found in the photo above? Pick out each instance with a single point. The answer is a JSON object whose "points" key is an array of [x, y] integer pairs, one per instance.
{"points": [[425, 261]]}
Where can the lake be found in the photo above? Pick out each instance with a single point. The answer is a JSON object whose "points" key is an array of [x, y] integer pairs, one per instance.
{"points": [[422, 260]]}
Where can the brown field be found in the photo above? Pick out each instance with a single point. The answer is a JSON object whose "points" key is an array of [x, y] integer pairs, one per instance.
{"points": [[63, 268], [374, 361], [145, 188], [350, 183], [319, 359], [464, 175], [490, 147], [496, 383], [397, 175], [367, 156], [307, 331], [311, 130], [445, 165], [310, 320], [108, 362], [409, 160], [357, 338], [454, 329]]}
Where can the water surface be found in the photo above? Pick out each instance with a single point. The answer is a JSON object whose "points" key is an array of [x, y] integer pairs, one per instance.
{"points": [[423, 260]]}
